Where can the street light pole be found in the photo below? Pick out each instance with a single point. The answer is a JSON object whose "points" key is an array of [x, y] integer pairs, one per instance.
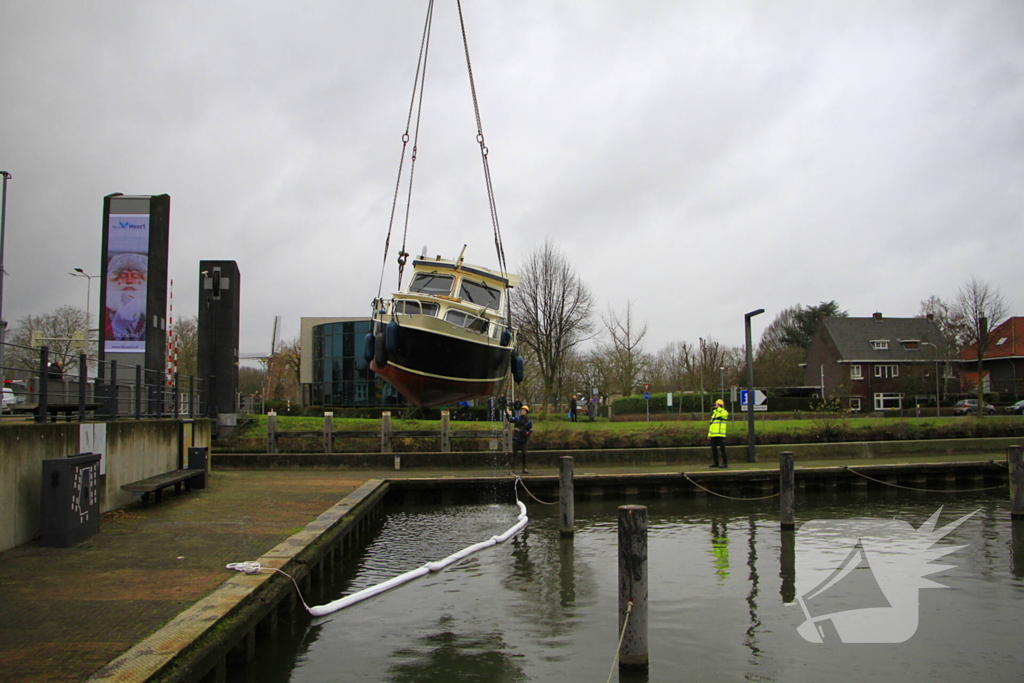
{"points": [[3, 221], [751, 450], [88, 298], [701, 368]]}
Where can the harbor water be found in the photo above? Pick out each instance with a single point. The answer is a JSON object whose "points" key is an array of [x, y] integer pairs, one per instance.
{"points": [[722, 587]]}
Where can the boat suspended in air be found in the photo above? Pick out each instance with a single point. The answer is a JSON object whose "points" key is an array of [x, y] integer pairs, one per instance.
{"points": [[446, 336]]}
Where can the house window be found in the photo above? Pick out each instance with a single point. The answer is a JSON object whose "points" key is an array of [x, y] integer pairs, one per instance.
{"points": [[888, 401], [887, 371], [880, 344], [910, 344], [855, 372], [1002, 340], [854, 405]]}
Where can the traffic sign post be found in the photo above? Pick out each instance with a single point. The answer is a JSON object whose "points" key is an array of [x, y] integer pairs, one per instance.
{"points": [[647, 399]]}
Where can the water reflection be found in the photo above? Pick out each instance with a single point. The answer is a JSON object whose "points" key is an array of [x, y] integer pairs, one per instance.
{"points": [[1017, 548], [755, 623], [542, 607], [476, 657], [787, 569]]}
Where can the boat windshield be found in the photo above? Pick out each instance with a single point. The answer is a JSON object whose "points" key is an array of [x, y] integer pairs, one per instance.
{"points": [[481, 295], [431, 283], [466, 320]]}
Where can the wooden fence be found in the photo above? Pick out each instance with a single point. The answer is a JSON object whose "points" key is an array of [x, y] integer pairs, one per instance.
{"points": [[502, 436]]}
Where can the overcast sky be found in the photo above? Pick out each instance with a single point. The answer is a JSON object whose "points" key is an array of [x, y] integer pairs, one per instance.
{"points": [[699, 159]]}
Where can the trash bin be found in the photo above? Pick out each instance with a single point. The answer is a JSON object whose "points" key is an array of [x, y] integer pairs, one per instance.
{"points": [[197, 461], [70, 500]]}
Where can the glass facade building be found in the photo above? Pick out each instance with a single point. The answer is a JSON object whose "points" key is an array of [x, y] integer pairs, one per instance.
{"points": [[341, 376]]}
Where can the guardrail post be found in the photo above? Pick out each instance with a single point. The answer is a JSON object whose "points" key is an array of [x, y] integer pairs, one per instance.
{"points": [[44, 381], [787, 484], [83, 376], [272, 432], [328, 433], [1016, 460], [633, 653], [115, 402], [138, 392], [446, 432], [566, 507], [385, 432], [177, 394]]}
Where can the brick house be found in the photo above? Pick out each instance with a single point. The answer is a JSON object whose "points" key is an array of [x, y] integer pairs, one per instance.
{"points": [[1002, 364], [878, 363]]}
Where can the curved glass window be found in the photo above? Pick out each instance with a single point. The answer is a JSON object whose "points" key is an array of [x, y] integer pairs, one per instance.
{"points": [[411, 307], [431, 283], [479, 294], [341, 376], [466, 320]]}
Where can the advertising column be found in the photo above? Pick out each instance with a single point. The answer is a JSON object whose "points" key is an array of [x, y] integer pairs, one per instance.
{"points": [[134, 290]]}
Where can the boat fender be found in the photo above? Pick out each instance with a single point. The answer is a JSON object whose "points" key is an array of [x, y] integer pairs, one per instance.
{"points": [[368, 344], [380, 352], [391, 337], [506, 337], [517, 367]]}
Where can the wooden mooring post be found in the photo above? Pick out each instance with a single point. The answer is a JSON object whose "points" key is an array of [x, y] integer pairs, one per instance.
{"points": [[271, 432], [446, 432], [328, 433], [633, 652], [1016, 462], [385, 432], [787, 485], [566, 508]]}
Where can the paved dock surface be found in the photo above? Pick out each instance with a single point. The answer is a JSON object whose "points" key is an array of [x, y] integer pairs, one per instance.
{"points": [[66, 612]]}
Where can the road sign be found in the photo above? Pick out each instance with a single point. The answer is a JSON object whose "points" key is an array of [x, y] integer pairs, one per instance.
{"points": [[759, 397], [647, 387], [647, 396]]}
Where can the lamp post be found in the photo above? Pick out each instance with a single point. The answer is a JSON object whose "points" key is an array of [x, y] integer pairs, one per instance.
{"points": [[936, 349], [3, 221], [701, 369], [88, 298], [721, 370], [751, 451]]}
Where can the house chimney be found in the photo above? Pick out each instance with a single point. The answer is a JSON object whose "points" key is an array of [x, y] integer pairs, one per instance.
{"points": [[930, 316], [877, 316]]}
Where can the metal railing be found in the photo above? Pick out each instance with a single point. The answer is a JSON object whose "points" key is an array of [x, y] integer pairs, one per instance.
{"points": [[83, 388]]}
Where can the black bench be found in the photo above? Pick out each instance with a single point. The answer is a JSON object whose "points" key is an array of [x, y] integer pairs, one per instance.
{"points": [[161, 481]]}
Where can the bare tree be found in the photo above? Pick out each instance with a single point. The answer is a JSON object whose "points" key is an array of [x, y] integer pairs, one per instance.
{"points": [[955, 329], [981, 306], [552, 309], [628, 363], [61, 332], [186, 342]]}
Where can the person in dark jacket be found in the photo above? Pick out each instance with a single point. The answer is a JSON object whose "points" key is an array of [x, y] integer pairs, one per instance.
{"points": [[522, 427]]}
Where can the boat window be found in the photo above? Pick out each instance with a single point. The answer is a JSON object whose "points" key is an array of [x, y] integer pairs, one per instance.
{"points": [[416, 308], [430, 283], [481, 295], [466, 320]]}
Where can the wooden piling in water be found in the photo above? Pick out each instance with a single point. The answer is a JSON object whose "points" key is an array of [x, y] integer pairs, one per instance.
{"points": [[566, 508], [787, 484], [1016, 462], [633, 653]]}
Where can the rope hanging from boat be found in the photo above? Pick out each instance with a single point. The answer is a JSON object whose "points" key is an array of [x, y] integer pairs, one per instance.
{"points": [[413, 123], [415, 105]]}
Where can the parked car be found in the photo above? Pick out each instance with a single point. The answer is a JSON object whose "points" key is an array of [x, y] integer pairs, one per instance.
{"points": [[970, 407], [9, 399], [1016, 409]]}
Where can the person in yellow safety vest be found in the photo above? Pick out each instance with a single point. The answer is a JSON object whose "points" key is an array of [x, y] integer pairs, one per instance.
{"points": [[716, 433]]}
